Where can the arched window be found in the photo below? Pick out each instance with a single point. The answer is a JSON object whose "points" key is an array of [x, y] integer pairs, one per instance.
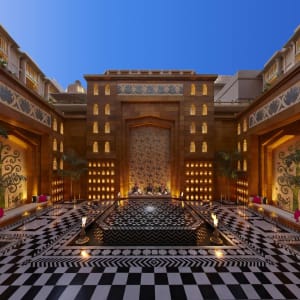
{"points": [[107, 127], [54, 166], [204, 110], [204, 89], [204, 147], [239, 147], [61, 164], [238, 129], [95, 147], [192, 147], [107, 109], [193, 110], [244, 145], [61, 128], [245, 125], [96, 89], [193, 89], [61, 147], [193, 128], [239, 165], [95, 127], [107, 90], [54, 146], [244, 165], [107, 147], [54, 124], [204, 127], [95, 109]]}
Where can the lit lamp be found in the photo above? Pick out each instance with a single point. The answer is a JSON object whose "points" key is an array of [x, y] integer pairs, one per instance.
{"points": [[83, 239], [215, 238]]}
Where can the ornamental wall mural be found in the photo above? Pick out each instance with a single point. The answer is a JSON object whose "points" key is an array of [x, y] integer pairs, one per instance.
{"points": [[17, 102], [286, 175], [150, 89], [275, 106], [13, 188], [149, 159]]}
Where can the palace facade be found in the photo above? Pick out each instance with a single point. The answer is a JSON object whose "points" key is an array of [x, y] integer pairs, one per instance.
{"points": [[151, 126]]}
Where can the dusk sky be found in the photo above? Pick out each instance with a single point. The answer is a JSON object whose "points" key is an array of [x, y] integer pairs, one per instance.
{"points": [[70, 38]]}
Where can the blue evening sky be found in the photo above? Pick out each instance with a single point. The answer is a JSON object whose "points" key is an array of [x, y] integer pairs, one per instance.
{"points": [[70, 38]]}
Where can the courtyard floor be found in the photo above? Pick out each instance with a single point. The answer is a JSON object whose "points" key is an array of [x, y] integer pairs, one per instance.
{"points": [[38, 262]]}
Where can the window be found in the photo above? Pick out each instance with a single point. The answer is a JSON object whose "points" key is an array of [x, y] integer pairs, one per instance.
{"points": [[95, 89], [244, 165], [239, 147], [193, 89], [31, 77], [107, 147], [239, 165], [204, 147], [54, 126], [95, 127], [193, 110], [61, 128], [107, 90], [107, 109], [61, 147], [54, 164], [204, 127], [204, 110], [238, 129], [54, 146], [192, 128], [204, 89], [61, 164], [95, 147], [244, 145], [3, 48], [192, 147], [107, 127], [245, 125], [95, 109]]}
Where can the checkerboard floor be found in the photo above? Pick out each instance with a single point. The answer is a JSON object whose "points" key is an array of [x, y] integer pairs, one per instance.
{"points": [[36, 261]]}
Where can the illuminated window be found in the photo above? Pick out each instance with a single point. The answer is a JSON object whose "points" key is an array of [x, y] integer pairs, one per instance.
{"points": [[107, 90], [193, 128], [61, 128], [95, 147], [245, 125], [204, 127], [95, 109], [244, 165], [239, 147], [107, 147], [3, 48], [54, 166], [204, 110], [107, 127], [193, 89], [239, 165], [107, 109], [61, 147], [54, 124], [61, 164], [192, 147], [204, 147], [95, 127], [96, 89], [54, 146], [193, 110], [244, 145], [204, 89], [239, 129]]}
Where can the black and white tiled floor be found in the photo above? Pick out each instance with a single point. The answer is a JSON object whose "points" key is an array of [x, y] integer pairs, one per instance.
{"points": [[38, 262]]}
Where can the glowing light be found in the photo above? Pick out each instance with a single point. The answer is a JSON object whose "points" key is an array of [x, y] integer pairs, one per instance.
{"points": [[83, 221], [219, 253], [84, 254], [215, 219]]}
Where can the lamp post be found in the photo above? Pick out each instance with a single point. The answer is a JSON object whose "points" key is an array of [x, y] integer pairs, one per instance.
{"points": [[83, 238], [215, 238]]}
